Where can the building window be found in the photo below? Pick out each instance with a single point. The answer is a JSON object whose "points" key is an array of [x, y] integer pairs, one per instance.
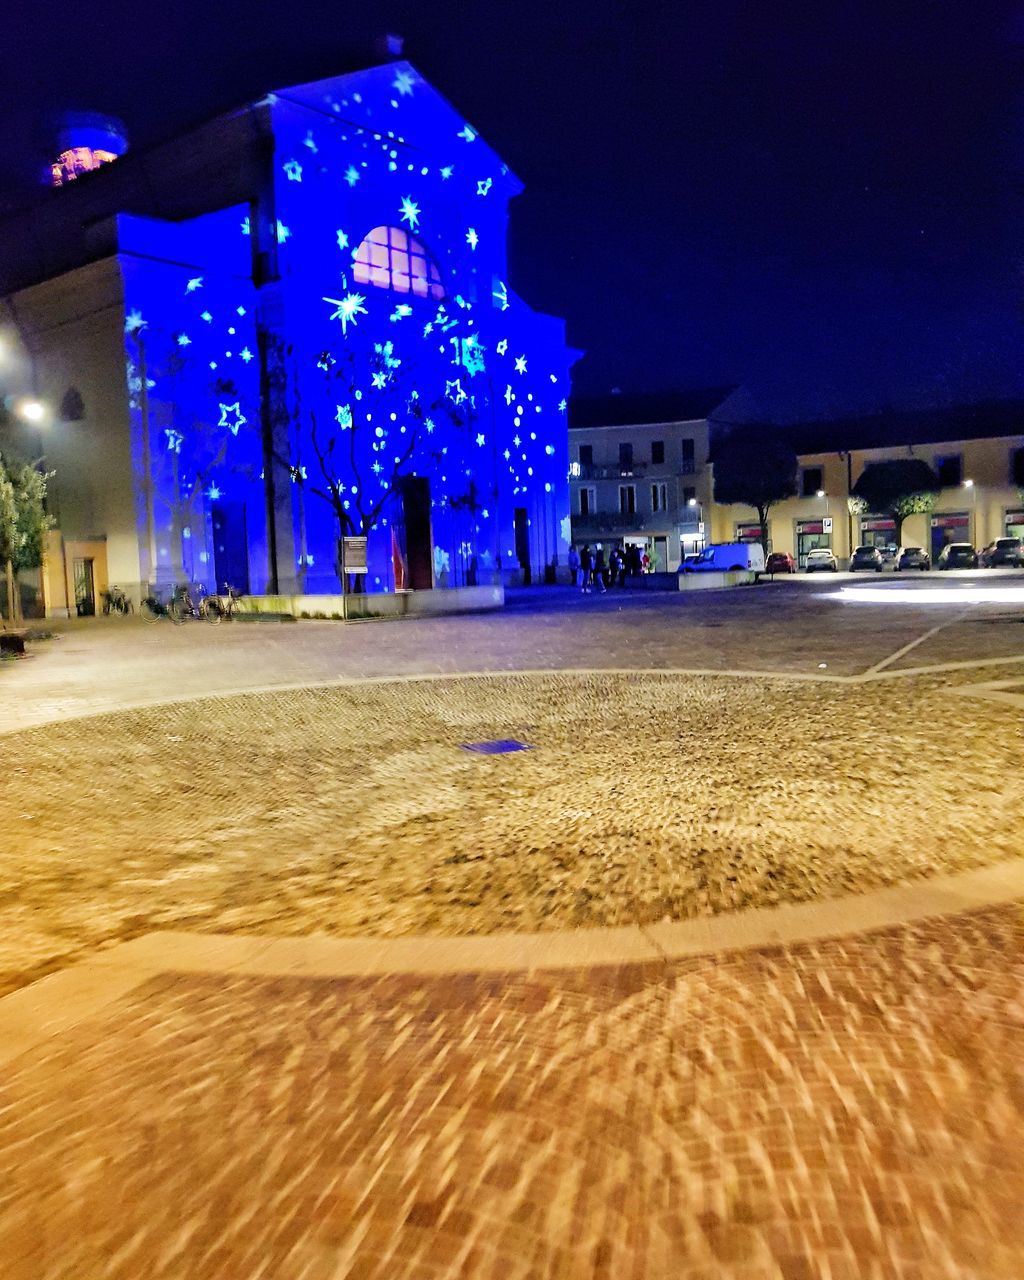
{"points": [[688, 464], [72, 407], [659, 497], [1017, 467], [627, 499], [391, 259], [586, 455], [949, 470], [689, 495], [657, 452], [626, 456], [811, 482], [588, 502]]}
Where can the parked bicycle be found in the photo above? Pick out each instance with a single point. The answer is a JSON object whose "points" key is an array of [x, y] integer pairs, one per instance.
{"points": [[185, 602], [225, 605], [115, 601]]}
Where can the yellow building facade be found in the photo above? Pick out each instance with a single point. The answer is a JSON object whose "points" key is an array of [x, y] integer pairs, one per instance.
{"points": [[982, 499]]}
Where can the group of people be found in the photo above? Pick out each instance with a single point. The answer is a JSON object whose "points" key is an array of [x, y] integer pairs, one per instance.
{"points": [[592, 572]]}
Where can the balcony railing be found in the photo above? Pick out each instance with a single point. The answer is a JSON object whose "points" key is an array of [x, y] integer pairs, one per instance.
{"points": [[588, 471], [611, 521], [591, 471]]}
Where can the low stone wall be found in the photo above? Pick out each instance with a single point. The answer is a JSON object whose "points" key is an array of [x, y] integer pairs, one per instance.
{"points": [[399, 604], [713, 581]]}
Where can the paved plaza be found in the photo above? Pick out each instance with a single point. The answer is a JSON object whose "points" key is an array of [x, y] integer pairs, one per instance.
{"points": [[720, 978]]}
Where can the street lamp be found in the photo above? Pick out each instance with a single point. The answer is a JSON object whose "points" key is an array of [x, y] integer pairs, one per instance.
{"points": [[31, 410], [694, 505], [969, 484]]}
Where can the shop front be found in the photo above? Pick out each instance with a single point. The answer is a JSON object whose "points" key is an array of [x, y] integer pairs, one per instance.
{"points": [[750, 533], [811, 534], [953, 526], [877, 531], [1014, 523]]}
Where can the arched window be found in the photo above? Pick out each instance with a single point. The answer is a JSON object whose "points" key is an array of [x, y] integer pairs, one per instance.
{"points": [[72, 408], [391, 259]]}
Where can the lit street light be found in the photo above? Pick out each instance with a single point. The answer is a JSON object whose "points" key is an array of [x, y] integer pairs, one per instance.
{"points": [[33, 411], [969, 484]]}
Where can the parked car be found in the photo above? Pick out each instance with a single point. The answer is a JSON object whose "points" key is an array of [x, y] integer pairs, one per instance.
{"points": [[821, 558], [687, 562], [891, 554], [780, 562], [867, 558], [914, 558], [726, 557], [958, 555], [1004, 551]]}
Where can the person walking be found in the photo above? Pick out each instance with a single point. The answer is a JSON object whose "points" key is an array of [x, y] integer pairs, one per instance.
{"points": [[586, 568], [615, 567], [599, 568]]}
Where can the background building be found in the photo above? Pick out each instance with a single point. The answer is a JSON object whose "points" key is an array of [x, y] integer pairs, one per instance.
{"points": [[639, 473], [294, 322], [977, 451]]}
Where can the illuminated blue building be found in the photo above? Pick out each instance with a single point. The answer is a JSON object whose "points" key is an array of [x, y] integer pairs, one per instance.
{"points": [[320, 338]]}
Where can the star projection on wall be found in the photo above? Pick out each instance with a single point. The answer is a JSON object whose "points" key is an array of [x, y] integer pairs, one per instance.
{"points": [[134, 322], [410, 212], [342, 240], [351, 175], [520, 364], [347, 309], [472, 239], [403, 82], [467, 133], [293, 169], [232, 417], [195, 283], [484, 185]]}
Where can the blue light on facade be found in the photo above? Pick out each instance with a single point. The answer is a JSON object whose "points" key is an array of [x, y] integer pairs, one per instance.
{"points": [[348, 346]]}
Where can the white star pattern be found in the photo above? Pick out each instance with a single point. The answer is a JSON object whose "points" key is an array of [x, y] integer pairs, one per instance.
{"points": [[502, 347], [342, 240], [347, 309], [184, 340], [447, 172], [484, 185], [352, 175], [246, 354], [134, 322], [481, 439], [508, 394], [472, 239], [467, 132], [232, 417], [520, 364], [195, 283], [403, 82], [293, 169], [410, 213]]}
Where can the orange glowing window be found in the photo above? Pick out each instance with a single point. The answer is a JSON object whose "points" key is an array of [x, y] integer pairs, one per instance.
{"points": [[391, 259]]}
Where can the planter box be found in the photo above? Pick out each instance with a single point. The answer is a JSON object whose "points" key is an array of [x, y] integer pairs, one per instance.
{"points": [[399, 604]]}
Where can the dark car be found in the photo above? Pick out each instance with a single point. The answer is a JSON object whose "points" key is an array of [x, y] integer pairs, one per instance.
{"points": [[914, 558], [780, 562], [1004, 551], [958, 555], [867, 558]]}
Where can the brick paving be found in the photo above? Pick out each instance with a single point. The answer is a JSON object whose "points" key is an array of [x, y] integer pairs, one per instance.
{"points": [[832, 1111], [352, 811]]}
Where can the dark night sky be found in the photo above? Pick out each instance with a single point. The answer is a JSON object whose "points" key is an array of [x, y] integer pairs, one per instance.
{"points": [[821, 201]]}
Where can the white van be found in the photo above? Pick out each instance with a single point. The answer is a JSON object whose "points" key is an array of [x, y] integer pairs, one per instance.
{"points": [[727, 557]]}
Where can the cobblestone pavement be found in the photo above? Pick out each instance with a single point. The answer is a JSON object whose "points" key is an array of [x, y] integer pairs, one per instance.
{"points": [[352, 811], [104, 663], [848, 1110]]}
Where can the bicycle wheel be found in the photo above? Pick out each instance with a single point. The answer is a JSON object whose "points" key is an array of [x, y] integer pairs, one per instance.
{"points": [[177, 612], [210, 610], [149, 610]]}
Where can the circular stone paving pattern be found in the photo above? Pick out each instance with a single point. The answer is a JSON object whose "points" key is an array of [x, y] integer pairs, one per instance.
{"points": [[353, 809]]}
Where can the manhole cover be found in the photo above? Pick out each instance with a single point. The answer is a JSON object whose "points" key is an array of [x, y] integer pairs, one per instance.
{"points": [[497, 747]]}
